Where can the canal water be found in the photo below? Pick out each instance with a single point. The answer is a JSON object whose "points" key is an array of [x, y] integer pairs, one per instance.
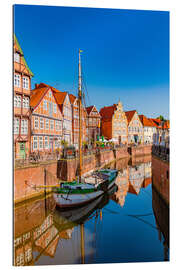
{"points": [[130, 224]]}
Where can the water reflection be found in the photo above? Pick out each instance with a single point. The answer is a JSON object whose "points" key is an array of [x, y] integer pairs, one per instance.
{"points": [[129, 218]]}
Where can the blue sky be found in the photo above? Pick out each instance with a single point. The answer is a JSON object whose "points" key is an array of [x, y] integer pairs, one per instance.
{"points": [[125, 53]]}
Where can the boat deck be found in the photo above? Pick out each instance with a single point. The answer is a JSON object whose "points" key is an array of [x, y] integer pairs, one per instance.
{"points": [[94, 179]]}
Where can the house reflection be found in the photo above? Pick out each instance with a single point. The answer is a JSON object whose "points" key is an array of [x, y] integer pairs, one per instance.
{"points": [[122, 182], [135, 175], [34, 231]]}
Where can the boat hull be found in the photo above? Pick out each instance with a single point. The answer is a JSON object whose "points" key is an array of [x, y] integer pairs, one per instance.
{"points": [[75, 200]]}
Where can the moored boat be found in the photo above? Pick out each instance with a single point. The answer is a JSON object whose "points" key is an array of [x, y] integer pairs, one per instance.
{"points": [[86, 189]]}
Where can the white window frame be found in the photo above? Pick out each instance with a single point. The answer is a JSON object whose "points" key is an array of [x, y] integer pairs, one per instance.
{"points": [[16, 57], [56, 143], [46, 143], [15, 101], [25, 102], [36, 121], [47, 124], [40, 142], [16, 125], [24, 126], [35, 142], [25, 83], [45, 105], [55, 108], [51, 124], [41, 122], [17, 81], [57, 125]]}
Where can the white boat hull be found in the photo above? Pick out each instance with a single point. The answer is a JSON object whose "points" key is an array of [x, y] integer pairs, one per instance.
{"points": [[74, 200]]}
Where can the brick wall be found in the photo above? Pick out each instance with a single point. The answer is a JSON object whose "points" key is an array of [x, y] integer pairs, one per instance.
{"points": [[160, 172], [26, 178], [140, 150]]}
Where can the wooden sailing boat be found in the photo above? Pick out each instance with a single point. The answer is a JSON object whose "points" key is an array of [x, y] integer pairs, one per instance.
{"points": [[86, 189]]}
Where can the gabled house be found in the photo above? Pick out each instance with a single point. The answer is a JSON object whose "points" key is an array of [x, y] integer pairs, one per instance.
{"points": [[22, 87], [46, 120], [114, 123], [64, 104], [92, 123], [162, 135], [135, 127], [149, 129]]}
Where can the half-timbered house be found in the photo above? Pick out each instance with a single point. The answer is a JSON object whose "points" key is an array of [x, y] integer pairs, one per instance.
{"points": [[22, 87], [92, 123], [46, 120]]}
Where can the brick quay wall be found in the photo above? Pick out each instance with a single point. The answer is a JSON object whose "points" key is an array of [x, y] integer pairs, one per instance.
{"points": [[28, 178], [160, 181]]}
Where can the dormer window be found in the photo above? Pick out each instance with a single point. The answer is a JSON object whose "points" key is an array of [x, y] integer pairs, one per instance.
{"points": [[17, 57]]}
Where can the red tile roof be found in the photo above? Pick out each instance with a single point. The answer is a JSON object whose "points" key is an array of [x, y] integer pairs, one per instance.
{"points": [[89, 109], [167, 124], [41, 89], [37, 95], [156, 122], [129, 115], [145, 121], [60, 97], [72, 98], [108, 112]]}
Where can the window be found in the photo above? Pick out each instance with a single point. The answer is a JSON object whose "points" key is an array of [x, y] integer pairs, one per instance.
{"points": [[17, 80], [40, 142], [17, 57], [25, 83], [50, 94], [36, 122], [51, 124], [25, 102], [50, 108], [24, 126], [55, 108], [57, 125], [45, 105], [56, 144], [46, 142], [16, 101], [50, 142], [41, 123], [35, 145], [16, 125], [47, 124]]}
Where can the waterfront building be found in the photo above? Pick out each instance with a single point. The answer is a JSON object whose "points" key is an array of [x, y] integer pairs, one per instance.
{"points": [[135, 127], [46, 120], [92, 123], [22, 87], [149, 129], [75, 121], [162, 132], [114, 123]]}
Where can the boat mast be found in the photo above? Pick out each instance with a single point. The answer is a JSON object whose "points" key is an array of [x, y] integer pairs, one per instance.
{"points": [[82, 244], [80, 117]]}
